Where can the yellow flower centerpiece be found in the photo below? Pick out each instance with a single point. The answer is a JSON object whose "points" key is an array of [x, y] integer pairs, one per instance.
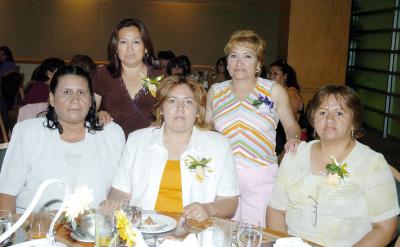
{"points": [[124, 227], [335, 172], [199, 166], [151, 84]]}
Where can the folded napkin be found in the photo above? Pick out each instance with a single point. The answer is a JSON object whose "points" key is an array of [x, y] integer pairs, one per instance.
{"points": [[290, 242], [189, 241]]}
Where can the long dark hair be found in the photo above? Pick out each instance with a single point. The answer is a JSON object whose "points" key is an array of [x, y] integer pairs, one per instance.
{"points": [[8, 53], [114, 65], [291, 77], [91, 122]]}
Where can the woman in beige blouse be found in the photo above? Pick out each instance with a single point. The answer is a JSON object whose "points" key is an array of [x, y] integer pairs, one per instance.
{"points": [[360, 207]]}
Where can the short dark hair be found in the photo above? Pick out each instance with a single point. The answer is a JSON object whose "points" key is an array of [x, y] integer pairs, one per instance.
{"points": [[49, 64], [91, 122], [291, 76], [166, 55], [85, 62], [114, 65], [177, 62], [8, 53], [343, 94]]}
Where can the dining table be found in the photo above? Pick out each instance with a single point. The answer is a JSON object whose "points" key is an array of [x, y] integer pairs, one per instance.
{"points": [[63, 234]]}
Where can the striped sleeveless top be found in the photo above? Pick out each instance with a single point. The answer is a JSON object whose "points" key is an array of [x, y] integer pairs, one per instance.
{"points": [[249, 128]]}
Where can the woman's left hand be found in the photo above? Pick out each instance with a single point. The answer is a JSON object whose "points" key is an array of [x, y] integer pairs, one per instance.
{"points": [[196, 211], [291, 145]]}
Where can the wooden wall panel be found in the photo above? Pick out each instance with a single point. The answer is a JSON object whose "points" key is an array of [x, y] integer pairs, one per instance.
{"points": [[198, 28], [318, 42]]}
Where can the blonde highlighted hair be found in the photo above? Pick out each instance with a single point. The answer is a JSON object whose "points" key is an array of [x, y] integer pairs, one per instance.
{"points": [[248, 39], [200, 96]]}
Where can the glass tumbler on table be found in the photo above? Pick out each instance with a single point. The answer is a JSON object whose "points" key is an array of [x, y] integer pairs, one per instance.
{"points": [[5, 224], [104, 226], [40, 223], [133, 212], [249, 235]]}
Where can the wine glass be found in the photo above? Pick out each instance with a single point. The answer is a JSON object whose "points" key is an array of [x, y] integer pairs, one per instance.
{"points": [[5, 224], [249, 235], [134, 213]]}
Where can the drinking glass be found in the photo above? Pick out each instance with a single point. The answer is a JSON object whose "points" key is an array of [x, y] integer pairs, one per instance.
{"points": [[104, 226], [134, 213], [222, 233], [5, 224], [249, 235], [40, 223]]}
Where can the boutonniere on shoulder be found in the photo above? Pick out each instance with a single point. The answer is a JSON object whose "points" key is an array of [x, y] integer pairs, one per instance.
{"points": [[198, 166], [151, 84], [335, 172], [263, 104]]}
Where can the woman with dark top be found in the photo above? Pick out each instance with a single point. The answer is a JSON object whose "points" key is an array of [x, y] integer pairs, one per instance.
{"points": [[118, 88], [38, 92], [285, 75], [177, 66]]}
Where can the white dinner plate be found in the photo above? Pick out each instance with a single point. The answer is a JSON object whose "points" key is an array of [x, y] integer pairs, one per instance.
{"points": [[163, 223]]}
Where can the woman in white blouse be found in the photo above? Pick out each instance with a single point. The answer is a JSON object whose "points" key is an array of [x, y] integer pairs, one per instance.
{"points": [[68, 144], [178, 165], [350, 202]]}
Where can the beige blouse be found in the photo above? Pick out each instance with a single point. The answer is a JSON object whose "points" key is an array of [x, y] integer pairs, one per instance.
{"points": [[335, 215]]}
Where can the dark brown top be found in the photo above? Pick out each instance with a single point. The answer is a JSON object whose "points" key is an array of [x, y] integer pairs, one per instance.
{"points": [[130, 114]]}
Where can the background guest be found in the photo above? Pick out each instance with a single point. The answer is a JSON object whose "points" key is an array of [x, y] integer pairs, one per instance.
{"points": [[187, 62], [65, 145], [285, 75], [118, 88], [164, 57], [350, 203], [158, 169], [177, 66], [221, 70], [246, 109], [7, 63], [85, 62], [38, 92]]}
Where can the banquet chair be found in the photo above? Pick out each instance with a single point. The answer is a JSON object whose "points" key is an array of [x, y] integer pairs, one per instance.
{"points": [[4, 131]]}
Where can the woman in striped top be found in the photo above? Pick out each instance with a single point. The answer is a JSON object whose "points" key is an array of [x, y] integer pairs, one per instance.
{"points": [[247, 110]]}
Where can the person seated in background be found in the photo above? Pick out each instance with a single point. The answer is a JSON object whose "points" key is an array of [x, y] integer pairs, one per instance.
{"points": [[38, 92], [85, 62], [178, 165], [7, 63], [164, 57], [221, 70], [187, 62], [177, 66], [285, 75], [335, 191], [68, 144]]}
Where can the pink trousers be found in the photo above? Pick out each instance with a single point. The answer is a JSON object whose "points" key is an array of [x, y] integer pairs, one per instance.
{"points": [[256, 186]]}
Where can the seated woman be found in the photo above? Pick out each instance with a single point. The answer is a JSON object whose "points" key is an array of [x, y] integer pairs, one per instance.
{"points": [[335, 191], [68, 144], [38, 92], [178, 165]]}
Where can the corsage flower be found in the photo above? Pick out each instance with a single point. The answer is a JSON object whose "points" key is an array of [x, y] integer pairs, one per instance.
{"points": [[151, 84], [198, 166], [78, 202], [263, 105], [124, 228], [335, 172]]}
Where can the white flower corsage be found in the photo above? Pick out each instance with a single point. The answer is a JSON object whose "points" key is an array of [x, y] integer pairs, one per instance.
{"points": [[335, 172], [198, 166], [151, 84]]}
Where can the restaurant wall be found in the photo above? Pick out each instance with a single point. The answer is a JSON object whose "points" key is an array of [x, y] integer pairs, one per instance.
{"points": [[39, 29], [318, 42]]}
